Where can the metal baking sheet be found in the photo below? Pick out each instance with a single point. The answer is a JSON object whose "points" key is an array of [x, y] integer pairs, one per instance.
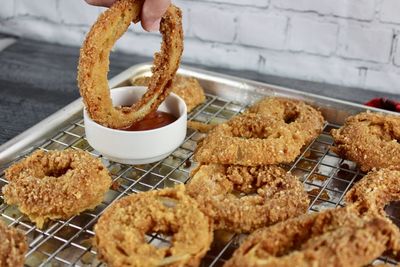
{"points": [[326, 177]]}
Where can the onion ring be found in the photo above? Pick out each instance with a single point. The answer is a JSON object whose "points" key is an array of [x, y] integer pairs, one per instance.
{"points": [[250, 140], [120, 231], [335, 237], [13, 247], [56, 184], [370, 139], [94, 61], [276, 195], [375, 190], [298, 115], [188, 88], [272, 131]]}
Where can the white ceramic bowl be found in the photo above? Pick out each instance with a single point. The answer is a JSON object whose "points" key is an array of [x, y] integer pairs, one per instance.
{"points": [[138, 147]]}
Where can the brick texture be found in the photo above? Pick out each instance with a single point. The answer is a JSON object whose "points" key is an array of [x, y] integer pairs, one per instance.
{"points": [[218, 26], [257, 3], [77, 12], [396, 58], [357, 9], [344, 42], [365, 43], [312, 36], [390, 11], [270, 29], [47, 9]]}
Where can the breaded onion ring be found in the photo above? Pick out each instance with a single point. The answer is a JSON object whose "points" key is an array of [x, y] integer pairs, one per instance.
{"points": [[370, 139], [94, 64], [56, 184], [13, 247], [299, 116], [188, 88], [250, 140], [274, 195], [272, 131], [375, 190], [336, 237], [120, 231]]}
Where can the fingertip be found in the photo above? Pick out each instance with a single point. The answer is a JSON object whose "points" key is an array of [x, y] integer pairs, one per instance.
{"points": [[103, 3], [152, 12], [151, 26]]}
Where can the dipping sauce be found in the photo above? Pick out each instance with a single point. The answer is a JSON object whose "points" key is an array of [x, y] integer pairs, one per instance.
{"points": [[152, 121]]}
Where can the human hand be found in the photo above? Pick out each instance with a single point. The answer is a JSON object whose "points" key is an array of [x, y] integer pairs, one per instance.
{"points": [[152, 11]]}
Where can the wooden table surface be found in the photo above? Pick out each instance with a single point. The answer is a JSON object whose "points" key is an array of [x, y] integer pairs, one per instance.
{"points": [[38, 78]]}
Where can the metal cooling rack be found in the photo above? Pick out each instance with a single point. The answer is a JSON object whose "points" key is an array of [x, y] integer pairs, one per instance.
{"points": [[326, 178]]}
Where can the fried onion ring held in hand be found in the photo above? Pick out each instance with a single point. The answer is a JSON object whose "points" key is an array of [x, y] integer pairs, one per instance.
{"points": [[370, 139], [188, 88], [13, 247], [273, 195], [56, 184], [120, 231], [375, 190], [94, 64], [336, 237], [264, 135]]}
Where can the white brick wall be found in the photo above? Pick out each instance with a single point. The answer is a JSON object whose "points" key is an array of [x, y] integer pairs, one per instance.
{"points": [[312, 36], [345, 42], [76, 14], [31, 8], [365, 43], [396, 59], [356, 9], [390, 11], [270, 29], [219, 25]]}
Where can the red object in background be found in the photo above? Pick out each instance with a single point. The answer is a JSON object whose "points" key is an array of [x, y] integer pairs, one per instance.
{"points": [[384, 103]]}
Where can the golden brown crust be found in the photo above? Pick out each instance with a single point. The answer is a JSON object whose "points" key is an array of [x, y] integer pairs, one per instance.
{"points": [[264, 135], [188, 88], [56, 184], [94, 64], [250, 140], [336, 237], [298, 115], [120, 231], [223, 194], [13, 247], [200, 126], [370, 139], [375, 190]]}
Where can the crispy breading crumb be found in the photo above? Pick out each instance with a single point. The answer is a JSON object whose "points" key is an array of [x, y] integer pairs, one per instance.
{"points": [[13, 247], [335, 237], [120, 231], [370, 139], [272, 131], [242, 199], [56, 184]]}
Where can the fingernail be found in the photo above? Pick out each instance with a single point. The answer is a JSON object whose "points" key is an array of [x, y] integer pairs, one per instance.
{"points": [[155, 26]]}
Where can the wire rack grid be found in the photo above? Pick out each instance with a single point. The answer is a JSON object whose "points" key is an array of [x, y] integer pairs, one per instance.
{"points": [[326, 178]]}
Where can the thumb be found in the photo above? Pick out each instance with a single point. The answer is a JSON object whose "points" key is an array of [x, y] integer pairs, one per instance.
{"points": [[152, 12]]}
